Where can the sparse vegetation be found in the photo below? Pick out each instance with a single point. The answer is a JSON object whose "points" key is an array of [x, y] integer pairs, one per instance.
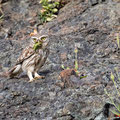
{"points": [[116, 85], [49, 10], [81, 42], [75, 65], [1, 12], [76, 62], [37, 45], [118, 40]]}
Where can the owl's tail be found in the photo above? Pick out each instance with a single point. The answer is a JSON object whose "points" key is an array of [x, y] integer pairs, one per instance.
{"points": [[12, 72], [17, 69]]}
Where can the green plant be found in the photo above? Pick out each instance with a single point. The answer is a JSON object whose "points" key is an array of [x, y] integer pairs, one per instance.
{"points": [[37, 45], [1, 12], [75, 65], [117, 87], [49, 10], [118, 41], [76, 60], [117, 106], [63, 67]]}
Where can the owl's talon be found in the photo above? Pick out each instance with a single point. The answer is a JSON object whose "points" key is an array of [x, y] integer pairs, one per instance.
{"points": [[39, 77], [42, 77], [31, 80]]}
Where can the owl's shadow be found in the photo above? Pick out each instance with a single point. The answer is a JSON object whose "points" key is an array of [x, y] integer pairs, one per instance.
{"points": [[42, 73]]}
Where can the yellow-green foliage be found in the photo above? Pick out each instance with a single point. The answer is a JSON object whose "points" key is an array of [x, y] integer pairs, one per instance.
{"points": [[75, 65], [37, 45], [49, 10], [76, 61], [117, 106], [117, 87], [1, 12], [118, 41]]}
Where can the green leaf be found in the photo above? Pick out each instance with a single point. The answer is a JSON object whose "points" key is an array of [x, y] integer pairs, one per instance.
{"points": [[49, 19], [76, 64], [115, 112], [54, 16], [105, 91], [41, 1], [119, 107], [81, 77], [56, 3], [68, 68], [54, 10], [62, 66], [1, 16], [118, 41], [76, 50], [112, 76], [37, 46], [46, 7], [51, 6]]}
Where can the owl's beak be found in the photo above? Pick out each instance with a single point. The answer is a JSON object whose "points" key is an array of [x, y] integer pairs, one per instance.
{"points": [[41, 41]]}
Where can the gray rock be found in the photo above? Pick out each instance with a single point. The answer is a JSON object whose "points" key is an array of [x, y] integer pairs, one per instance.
{"points": [[91, 29]]}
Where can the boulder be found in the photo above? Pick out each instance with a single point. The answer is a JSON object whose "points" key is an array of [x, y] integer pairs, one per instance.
{"points": [[88, 25]]}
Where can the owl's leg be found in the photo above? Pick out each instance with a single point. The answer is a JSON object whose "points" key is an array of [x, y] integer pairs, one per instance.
{"points": [[29, 73], [37, 76]]}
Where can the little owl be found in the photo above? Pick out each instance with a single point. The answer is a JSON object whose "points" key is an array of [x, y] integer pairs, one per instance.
{"points": [[32, 58]]}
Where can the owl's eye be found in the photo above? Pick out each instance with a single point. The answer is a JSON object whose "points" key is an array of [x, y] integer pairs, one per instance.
{"points": [[43, 38], [34, 39]]}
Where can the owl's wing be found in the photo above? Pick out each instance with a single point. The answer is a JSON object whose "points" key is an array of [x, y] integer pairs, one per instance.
{"points": [[26, 53]]}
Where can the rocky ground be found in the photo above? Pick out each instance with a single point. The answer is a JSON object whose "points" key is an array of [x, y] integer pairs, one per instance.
{"points": [[89, 25]]}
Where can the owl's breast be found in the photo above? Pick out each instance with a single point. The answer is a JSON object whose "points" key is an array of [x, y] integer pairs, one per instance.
{"points": [[43, 54], [36, 61]]}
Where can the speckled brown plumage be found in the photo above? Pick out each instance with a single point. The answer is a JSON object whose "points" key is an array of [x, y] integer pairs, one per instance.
{"points": [[30, 60]]}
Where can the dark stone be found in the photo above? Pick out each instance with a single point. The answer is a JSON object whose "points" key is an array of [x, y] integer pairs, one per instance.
{"points": [[91, 29], [94, 2]]}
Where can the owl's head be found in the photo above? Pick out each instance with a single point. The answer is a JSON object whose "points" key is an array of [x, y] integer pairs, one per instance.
{"points": [[40, 41]]}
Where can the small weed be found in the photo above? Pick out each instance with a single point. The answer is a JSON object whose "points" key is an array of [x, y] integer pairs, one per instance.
{"points": [[49, 10], [75, 65], [37, 45], [117, 106], [76, 60], [118, 40], [1, 13], [117, 87]]}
